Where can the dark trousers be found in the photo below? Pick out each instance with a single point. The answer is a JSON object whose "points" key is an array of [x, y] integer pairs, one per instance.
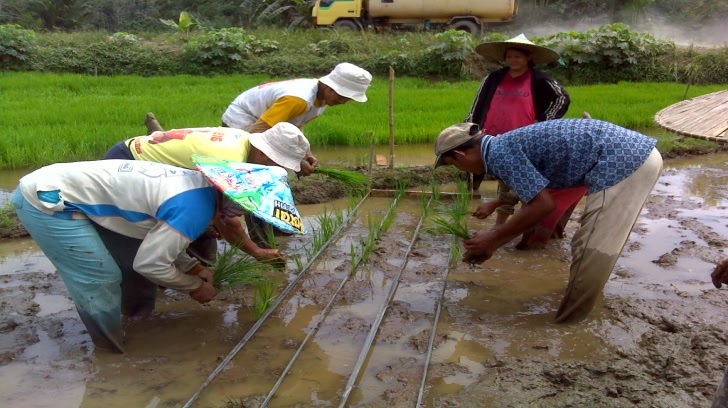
{"points": [[138, 293]]}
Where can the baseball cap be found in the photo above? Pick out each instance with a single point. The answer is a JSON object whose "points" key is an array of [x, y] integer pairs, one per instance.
{"points": [[452, 137]]}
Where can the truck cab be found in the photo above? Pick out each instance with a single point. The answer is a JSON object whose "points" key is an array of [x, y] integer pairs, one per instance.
{"points": [[337, 12]]}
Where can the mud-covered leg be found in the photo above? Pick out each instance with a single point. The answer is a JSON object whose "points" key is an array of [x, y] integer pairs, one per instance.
{"points": [[150, 121], [138, 293]]}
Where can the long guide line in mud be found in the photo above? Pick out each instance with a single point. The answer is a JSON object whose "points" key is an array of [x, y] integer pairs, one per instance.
{"points": [[324, 313], [274, 306], [433, 332], [380, 315]]}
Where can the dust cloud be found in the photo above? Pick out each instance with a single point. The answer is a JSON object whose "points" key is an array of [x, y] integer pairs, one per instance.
{"points": [[712, 33]]}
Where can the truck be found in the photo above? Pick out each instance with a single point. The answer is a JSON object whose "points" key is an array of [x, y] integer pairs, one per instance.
{"points": [[465, 15]]}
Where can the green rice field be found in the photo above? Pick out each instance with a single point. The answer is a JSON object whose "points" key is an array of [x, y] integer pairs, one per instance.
{"points": [[49, 118]]}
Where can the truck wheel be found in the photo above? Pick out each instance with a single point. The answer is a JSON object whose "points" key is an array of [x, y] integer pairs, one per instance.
{"points": [[346, 25], [466, 25]]}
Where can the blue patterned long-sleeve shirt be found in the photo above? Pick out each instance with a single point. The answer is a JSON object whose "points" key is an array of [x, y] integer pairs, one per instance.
{"points": [[565, 153]]}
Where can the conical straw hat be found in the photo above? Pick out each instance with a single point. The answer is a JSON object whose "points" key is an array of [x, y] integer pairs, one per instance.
{"points": [[496, 51]]}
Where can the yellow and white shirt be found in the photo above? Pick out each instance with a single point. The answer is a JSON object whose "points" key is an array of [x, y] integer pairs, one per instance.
{"points": [[176, 146], [292, 101]]}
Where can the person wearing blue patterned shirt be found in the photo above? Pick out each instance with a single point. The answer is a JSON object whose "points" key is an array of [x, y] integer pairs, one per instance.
{"points": [[618, 166]]}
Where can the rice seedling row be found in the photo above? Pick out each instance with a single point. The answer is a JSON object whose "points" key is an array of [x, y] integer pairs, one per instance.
{"points": [[433, 332], [331, 228], [382, 310], [345, 222], [357, 257]]}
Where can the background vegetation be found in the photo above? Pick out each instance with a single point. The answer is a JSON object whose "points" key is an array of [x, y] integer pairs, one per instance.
{"points": [[137, 15], [49, 118], [611, 53]]}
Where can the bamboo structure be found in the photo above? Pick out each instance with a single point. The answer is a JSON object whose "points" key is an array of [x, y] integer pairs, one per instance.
{"points": [[704, 117]]}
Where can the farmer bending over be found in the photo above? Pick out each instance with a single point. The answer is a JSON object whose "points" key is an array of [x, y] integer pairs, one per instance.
{"points": [[618, 166], [282, 145], [145, 213], [297, 101]]}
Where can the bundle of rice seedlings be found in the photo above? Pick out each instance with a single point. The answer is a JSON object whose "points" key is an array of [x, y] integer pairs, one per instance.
{"points": [[450, 226], [234, 268], [351, 179]]}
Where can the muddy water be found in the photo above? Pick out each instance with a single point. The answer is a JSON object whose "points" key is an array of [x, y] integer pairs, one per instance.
{"points": [[496, 344]]}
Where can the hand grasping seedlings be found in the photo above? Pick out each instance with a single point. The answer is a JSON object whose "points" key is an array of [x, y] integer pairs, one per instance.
{"points": [[234, 268]]}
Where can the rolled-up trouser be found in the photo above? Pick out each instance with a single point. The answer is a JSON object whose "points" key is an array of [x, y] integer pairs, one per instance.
{"points": [[605, 226], [138, 293], [87, 268]]}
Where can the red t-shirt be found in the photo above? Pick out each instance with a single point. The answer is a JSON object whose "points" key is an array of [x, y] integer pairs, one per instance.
{"points": [[512, 105]]}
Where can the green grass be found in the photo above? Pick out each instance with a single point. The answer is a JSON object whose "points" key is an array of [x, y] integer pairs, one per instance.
{"points": [[8, 217], [49, 118]]}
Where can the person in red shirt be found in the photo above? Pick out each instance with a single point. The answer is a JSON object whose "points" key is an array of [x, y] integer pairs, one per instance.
{"points": [[512, 97]]}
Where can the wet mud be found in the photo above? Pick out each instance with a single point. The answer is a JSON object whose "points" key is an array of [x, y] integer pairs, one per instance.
{"points": [[657, 337]]}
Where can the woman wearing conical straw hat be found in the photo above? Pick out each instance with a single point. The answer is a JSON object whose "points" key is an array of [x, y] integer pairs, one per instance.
{"points": [[514, 96]]}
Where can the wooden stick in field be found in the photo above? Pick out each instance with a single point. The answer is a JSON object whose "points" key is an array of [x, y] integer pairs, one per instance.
{"points": [[391, 117], [371, 160]]}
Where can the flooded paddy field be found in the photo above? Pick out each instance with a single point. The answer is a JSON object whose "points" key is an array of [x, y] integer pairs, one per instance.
{"points": [[658, 337]]}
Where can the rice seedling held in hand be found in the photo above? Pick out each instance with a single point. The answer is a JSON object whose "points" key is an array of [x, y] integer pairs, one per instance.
{"points": [[453, 221], [351, 179], [234, 268], [450, 226]]}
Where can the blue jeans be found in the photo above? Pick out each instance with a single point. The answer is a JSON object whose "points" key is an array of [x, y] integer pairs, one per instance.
{"points": [[87, 268]]}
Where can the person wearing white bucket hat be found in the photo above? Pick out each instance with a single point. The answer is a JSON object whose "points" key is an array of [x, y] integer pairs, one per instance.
{"points": [[116, 229], [297, 101], [349, 81], [512, 97], [282, 145]]}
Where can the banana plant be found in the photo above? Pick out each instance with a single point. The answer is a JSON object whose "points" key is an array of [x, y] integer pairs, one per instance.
{"points": [[185, 24]]}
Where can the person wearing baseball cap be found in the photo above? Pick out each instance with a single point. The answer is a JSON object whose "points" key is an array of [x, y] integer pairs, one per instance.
{"points": [[297, 101], [617, 166]]}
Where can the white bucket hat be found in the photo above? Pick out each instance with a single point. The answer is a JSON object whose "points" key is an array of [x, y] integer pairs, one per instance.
{"points": [[284, 143], [349, 81], [496, 51]]}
